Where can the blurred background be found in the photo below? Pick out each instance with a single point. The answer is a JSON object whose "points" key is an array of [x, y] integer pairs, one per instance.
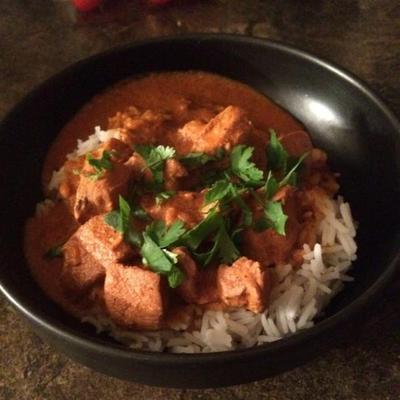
{"points": [[41, 37]]}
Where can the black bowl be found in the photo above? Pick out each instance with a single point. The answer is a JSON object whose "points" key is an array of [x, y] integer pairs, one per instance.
{"points": [[344, 117]]}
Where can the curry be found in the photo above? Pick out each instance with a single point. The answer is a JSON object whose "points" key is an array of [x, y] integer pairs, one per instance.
{"points": [[196, 189]]}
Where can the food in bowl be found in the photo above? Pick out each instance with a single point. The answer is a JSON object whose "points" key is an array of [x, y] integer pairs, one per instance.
{"points": [[197, 217]]}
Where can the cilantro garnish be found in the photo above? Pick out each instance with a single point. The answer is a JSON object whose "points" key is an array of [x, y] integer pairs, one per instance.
{"points": [[165, 236], [213, 229], [193, 160], [155, 255], [291, 176], [194, 237], [120, 220], [277, 156], [273, 217], [221, 189], [100, 165], [155, 157], [243, 168]]}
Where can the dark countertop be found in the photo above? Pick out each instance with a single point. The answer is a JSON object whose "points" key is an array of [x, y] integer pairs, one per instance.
{"points": [[39, 38]]}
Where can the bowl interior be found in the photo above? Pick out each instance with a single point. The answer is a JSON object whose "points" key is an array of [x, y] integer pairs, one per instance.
{"points": [[361, 138]]}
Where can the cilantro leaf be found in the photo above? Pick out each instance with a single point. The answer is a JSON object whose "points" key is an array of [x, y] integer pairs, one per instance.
{"points": [[113, 218], [175, 277], [154, 157], [274, 212], [222, 247], [161, 261], [120, 221], [242, 167], [227, 250], [277, 156], [164, 236], [291, 177], [271, 186], [157, 259], [193, 160], [218, 191], [194, 237], [100, 165]]}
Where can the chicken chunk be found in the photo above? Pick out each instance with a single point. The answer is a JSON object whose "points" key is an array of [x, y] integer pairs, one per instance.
{"points": [[80, 270], [97, 196], [138, 127], [244, 284], [199, 287], [225, 130], [103, 242], [174, 171], [135, 297], [183, 206]]}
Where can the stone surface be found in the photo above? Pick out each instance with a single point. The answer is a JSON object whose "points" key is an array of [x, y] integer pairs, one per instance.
{"points": [[39, 38]]}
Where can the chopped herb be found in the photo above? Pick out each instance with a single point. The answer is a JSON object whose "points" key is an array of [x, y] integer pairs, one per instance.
{"points": [[291, 176], [202, 230], [193, 160], [243, 167], [271, 186], [161, 261], [100, 165], [163, 196], [175, 277], [273, 217], [227, 250], [222, 247], [54, 252], [120, 220], [164, 236], [277, 156], [155, 156], [218, 191], [153, 256]]}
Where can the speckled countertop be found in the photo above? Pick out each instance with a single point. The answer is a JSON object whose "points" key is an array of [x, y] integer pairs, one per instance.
{"points": [[40, 37]]}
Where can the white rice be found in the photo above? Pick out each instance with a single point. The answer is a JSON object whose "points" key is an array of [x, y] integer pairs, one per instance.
{"points": [[83, 147], [299, 294]]}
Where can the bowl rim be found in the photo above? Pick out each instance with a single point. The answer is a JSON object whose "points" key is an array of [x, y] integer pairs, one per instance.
{"points": [[79, 339]]}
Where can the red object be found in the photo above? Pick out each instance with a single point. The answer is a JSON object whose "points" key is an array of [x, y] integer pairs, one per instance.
{"points": [[86, 5]]}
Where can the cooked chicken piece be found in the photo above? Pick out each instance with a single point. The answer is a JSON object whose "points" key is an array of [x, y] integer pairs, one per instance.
{"points": [[81, 270], [138, 127], [245, 283], [199, 287], [135, 297], [269, 247], [103, 242], [97, 196], [183, 206], [225, 130], [174, 171]]}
